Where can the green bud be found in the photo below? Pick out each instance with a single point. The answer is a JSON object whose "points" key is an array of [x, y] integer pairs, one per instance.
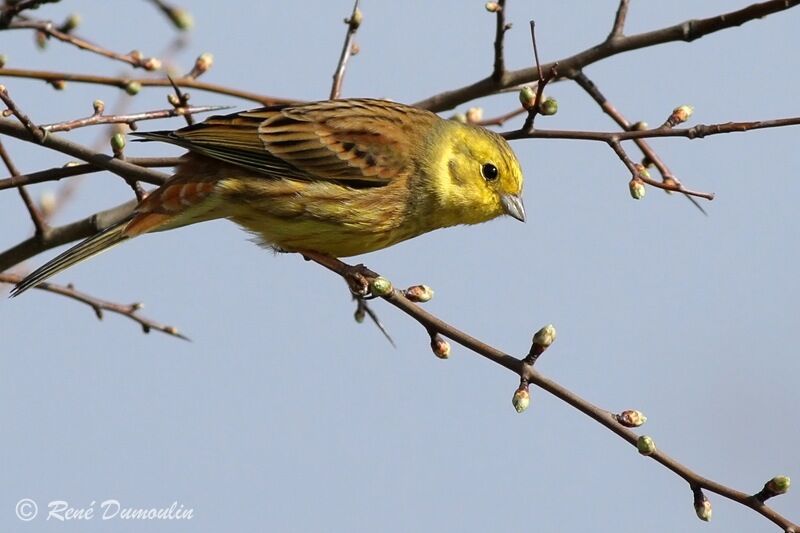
{"points": [[419, 293], [640, 126], [360, 314], [681, 114], [642, 171], [646, 445], [151, 64], [492, 7], [459, 117], [133, 88], [440, 347], [548, 107], [58, 85], [474, 115], [72, 22], [545, 337], [702, 506], [3, 60], [117, 142], [181, 18], [380, 286], [356, 20], [99, 106], [521, 399], [527, 97], [779, 484], [203, 62], [41, 40], [636, 186], [631, 418]]}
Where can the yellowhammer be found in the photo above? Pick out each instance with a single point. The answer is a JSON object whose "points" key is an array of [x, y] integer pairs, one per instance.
{"points": [[339, 177]]}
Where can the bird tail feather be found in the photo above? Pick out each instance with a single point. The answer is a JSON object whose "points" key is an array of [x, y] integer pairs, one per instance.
{"points": [[90, 247]]}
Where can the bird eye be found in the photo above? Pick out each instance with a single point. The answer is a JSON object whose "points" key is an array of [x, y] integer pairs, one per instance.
{"points": [[489, 172]]}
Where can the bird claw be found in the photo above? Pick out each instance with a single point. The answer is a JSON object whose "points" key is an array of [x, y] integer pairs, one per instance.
{"points": [[357, 278]]}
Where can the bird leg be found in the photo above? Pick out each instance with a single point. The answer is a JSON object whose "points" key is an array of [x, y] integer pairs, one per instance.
{"points": [[356, 276]]}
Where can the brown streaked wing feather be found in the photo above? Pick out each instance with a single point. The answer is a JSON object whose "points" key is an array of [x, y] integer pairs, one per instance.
{"points": [[356, 140]]}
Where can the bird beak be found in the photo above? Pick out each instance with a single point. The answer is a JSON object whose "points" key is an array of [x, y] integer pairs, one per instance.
{"points": [[512, 205]]}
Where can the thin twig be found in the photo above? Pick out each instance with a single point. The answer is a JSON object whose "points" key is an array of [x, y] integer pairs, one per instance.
{"points": [[106, 162], [11, 10], [352, 27], [502, 119], [501, 28], [666, 175], [695, 132], [180, 102], [99, 306], [35, 131], [540, 84], [524, 369], [619, 20], [65, 234], [134, 59], [78, 169], [638, 173], [36, 217], [123, 82], [129, 119]]}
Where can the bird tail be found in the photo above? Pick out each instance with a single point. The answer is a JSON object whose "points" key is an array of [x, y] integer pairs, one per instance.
{"points": [[90, 247]]}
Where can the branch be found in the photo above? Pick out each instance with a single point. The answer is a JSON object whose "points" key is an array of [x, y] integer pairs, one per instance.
{"points": [[649, 154], [11, 10], [355, 20], [99, 118], [36, 217], [98, 305], [524, 369], [106, 162], [124, 83], [695, 132], [501, 28], [687, 31], [135, 58], [619, 20], [69, 170], [60, 235]]}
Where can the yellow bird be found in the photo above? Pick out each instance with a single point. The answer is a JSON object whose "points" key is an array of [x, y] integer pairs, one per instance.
{"points": [[340, 178]]}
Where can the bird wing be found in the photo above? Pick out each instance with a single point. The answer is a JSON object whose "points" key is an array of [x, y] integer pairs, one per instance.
{"points": [[363, 142]]}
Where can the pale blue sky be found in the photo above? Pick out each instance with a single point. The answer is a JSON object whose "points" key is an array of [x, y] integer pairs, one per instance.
{"points": [[283, 414]]}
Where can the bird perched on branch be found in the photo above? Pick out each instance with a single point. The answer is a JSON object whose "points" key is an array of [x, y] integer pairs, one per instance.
{"points": [[340, 178]]}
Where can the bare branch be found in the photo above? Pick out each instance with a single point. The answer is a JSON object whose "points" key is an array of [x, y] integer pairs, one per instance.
{"points": [[123, 83], [57, 173], [135, 58], [524, 369], [695, 132], [58, 236], [619, 20], [500, 32], [37, 218], [130, 311], [687, 31], [649, 154], [129, 119], [352, 27], [106, 162], [11, 10], [13, 109]]}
